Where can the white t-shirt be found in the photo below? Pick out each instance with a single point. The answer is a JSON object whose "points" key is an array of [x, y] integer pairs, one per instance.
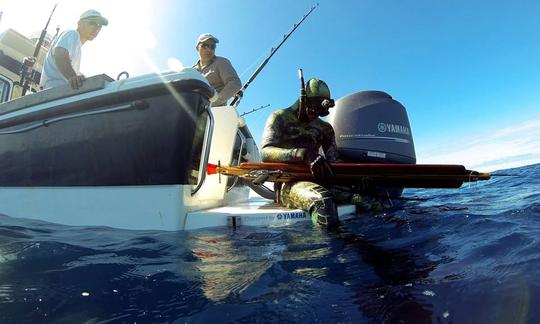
{"points": [[50, 75]]}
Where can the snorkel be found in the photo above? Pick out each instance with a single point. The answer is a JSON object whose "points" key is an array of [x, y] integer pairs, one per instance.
{"points": [[315, 104], [302, 102]]}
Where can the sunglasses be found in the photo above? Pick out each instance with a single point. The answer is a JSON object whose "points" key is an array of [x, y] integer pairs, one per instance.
{"points": [[208, 46], [93, 23]]}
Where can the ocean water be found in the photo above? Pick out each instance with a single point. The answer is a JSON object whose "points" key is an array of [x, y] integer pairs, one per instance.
{"points": [[470, 255]]}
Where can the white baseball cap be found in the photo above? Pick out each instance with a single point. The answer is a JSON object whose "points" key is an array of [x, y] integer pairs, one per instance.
{"points": [[206, 36], [94, 15]]}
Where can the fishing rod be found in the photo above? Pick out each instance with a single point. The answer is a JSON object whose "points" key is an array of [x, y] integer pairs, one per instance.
{"points": [[254, 110], [28, 62], [240, 93]]}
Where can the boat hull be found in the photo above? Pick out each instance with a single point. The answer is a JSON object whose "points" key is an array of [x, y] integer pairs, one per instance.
{"points": [[127, 207], [131, 138]]}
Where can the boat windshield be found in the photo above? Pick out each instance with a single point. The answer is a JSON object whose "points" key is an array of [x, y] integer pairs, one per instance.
{"points": [[197, 149]]}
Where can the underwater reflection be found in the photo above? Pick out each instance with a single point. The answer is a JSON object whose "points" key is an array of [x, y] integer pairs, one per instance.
{"points": [[228, 263], [303, 266]]}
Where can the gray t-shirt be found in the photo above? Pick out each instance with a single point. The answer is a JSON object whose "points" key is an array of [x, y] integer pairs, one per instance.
{"points": [[222, 77], [50, 75]]}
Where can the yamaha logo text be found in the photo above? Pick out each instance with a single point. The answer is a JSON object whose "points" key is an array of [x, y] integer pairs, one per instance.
{"points": [[393, 128], [300, 215]]}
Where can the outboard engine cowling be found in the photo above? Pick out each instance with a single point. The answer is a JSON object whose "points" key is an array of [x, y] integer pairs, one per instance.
{"points": [[371, 127]]}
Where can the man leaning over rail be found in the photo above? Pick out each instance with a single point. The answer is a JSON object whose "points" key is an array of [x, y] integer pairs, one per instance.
{"points": [[216, 69], [63, 60]]}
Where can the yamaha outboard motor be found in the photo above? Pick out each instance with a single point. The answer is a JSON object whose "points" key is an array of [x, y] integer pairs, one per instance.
{"points": [[371, 127]]}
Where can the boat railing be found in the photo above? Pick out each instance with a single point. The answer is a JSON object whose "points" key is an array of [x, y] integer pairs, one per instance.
{"points": [[206, 153], [137, 104], [93, 83]]}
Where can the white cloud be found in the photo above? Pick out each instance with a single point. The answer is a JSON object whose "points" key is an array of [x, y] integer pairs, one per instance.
{"points": [[511, 146]]}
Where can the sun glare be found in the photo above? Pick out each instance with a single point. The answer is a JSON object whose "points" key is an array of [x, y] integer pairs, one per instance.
{"points": [[175, 64], [120, 46]]}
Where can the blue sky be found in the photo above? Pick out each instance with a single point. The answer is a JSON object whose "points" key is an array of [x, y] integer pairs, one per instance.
{"points": [[468, 72]]}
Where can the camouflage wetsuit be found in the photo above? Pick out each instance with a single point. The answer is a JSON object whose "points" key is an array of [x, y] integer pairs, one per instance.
{"points": [[284, 133]]}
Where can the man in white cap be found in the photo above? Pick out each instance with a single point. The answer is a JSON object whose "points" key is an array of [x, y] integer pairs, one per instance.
{"points": [[63, 60], [216, 69]]}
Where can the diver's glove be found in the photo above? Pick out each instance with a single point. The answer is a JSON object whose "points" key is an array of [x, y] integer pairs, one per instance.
{"points": [[300, 155], [321, 170], [318, 165]]}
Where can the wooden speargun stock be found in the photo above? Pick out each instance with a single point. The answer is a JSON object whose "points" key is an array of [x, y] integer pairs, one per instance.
{"points": [[399, 175]]}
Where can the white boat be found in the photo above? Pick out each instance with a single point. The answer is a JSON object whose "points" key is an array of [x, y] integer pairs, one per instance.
{"points": [[133, 153], [129, 154]]}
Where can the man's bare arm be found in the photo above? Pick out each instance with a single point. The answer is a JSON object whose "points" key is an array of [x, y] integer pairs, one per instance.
{"points": [[63, 63]]}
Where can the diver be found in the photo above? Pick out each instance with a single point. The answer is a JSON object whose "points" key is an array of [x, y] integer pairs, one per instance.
{"points": [[295, 134], [298, 135]]}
